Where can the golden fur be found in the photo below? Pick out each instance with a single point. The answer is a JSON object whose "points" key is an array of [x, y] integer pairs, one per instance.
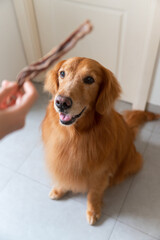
{"points": [[96, 151]]}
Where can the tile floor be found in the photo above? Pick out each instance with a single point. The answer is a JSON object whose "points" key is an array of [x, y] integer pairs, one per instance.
{"points": [[131, 210]]}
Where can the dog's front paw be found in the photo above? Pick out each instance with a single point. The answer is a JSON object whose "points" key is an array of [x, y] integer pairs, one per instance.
{"points": [[92, 217], [56, 194]]}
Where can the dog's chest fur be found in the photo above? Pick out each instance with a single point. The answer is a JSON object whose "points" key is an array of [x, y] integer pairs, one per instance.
{"points": [[75, 158]]}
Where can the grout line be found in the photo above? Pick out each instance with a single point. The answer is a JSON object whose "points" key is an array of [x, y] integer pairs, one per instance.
{"points": [[1, 164], [133, 179], [5, 185], [147, 144], [27, 156], [112, 230], [153, 128], [13, 172], [32, 179], [119, 212], [137, 229], [9, 168]]}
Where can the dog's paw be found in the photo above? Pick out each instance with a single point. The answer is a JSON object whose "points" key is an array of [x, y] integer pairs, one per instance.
{"points": [[56, 194], [92, 217]]}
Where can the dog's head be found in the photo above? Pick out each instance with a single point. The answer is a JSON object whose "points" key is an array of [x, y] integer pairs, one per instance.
{"points": [[80, 85]]}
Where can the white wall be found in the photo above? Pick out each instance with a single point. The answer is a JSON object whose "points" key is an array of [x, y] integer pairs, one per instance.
{"points": [[12, 58], [154, 97]]}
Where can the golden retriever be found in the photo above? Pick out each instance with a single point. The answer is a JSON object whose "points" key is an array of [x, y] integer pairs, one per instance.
{"points": [[88, 145]]}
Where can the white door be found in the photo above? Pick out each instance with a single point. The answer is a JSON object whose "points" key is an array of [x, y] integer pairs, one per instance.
{"points": [[125, 37]]}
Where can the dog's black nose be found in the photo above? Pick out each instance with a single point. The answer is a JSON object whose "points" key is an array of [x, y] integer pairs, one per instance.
{"points": [[63, 103]]}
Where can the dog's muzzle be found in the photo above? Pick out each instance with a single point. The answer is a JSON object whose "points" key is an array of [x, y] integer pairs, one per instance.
{"points": [[67, 119]]}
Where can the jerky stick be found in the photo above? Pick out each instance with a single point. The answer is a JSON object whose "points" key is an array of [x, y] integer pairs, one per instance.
{"points": [[35, 68]]}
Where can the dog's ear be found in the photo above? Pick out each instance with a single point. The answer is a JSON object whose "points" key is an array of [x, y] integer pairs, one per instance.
{"points": [[51, 82], [109, 91]]}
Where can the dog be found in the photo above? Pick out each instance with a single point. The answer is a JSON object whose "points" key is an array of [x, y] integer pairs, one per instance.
{"points": [[88, 145]]}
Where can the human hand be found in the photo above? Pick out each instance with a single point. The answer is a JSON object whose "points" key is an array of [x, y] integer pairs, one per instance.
{"points": [[14, 105], [8, 94]]}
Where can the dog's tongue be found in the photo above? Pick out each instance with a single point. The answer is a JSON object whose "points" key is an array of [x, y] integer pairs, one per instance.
{"points": [[65, 117]]}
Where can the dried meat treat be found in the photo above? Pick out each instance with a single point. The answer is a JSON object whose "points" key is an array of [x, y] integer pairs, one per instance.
{"points": [[35, 68]]}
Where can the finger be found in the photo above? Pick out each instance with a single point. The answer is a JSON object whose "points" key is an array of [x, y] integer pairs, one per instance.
{"points": [[19, 99], [3, 106], [9, 101], [29, 97], [24, 103], [6, 83], [30, 94], [8, 91], [29, 87]]}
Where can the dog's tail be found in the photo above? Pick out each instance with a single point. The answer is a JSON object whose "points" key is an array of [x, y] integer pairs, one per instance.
{"points": [[136, 118]]}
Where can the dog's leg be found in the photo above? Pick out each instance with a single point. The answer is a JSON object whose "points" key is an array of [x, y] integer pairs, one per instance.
{"points": [[57, 193], [94, 200]]}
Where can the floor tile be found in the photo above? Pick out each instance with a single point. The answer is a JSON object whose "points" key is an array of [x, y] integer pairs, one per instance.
{"points": [[112, 200], [27, 213], [124, 232], [5, 176], [44, 97], [142, 139], [142, 206], [149, 126], [152, 153], [17, 146], [154, 141], [157, 127], [156, 123], [37, 114], [34, 166], [121, 106]]}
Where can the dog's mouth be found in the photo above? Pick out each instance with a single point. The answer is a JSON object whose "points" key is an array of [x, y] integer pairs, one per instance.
{"points": [[68, 119]]}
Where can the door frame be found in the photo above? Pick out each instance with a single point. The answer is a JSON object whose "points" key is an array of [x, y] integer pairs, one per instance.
{"points": [[149, 59], [26, 20]]}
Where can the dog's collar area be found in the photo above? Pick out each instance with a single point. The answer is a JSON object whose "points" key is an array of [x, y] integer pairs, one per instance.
{"points": [[67, 119]]}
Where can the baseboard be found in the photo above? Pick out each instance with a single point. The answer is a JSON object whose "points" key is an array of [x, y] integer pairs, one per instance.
{"points": [[153, 108]]}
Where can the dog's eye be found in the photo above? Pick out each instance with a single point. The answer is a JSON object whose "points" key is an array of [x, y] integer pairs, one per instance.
{"points": [[88, 80], [62, 74]]}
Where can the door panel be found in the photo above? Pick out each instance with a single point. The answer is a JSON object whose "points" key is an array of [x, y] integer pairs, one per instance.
{"points": [[119, 40]]}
